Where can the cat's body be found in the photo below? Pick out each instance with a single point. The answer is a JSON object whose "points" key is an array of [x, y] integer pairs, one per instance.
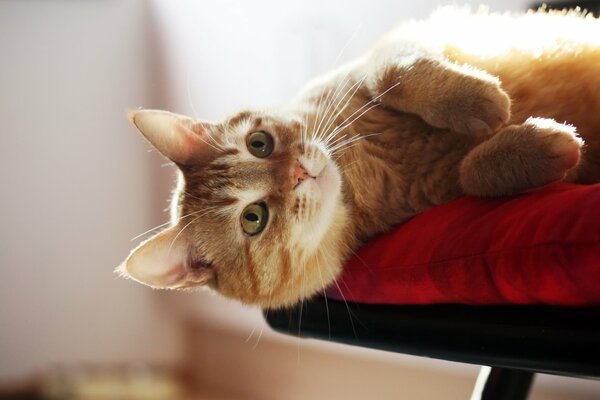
{"points": [[279, 220], [555, 74]]}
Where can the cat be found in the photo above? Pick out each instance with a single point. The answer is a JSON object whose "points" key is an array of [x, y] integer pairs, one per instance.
{"points": [[269, 203]]}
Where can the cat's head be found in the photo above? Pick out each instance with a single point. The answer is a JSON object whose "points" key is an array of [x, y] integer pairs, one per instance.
{"points": [[257, 214]]}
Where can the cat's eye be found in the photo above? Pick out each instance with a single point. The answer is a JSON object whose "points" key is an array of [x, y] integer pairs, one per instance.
{"points": [[254, 218], [260, 144]]}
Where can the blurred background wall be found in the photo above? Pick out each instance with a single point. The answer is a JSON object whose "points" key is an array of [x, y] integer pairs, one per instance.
{"points": [[78, 184]]}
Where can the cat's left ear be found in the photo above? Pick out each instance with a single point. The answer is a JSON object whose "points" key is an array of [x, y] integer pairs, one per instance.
{"points": [[181, 139], [164, 262]]}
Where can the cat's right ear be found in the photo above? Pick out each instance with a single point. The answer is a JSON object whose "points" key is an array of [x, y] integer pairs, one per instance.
{"points": [[179, 138]]}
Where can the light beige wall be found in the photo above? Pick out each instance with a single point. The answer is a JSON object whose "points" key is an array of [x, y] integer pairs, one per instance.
{"points": [[76, 187], [285, 369], [219, 56]]}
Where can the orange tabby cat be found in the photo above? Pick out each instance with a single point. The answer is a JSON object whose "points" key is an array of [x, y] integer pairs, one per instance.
{"points": [[270, 203]]}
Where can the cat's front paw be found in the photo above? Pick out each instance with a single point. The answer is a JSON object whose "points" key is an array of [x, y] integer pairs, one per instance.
{"points": [[470, 105], [521, 157], [557, 147]]}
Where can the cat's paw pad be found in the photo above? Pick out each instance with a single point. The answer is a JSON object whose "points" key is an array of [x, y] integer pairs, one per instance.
{"points": [[472, 106], [559, 147]]}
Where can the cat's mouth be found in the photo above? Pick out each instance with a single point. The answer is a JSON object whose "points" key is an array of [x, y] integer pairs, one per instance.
{"points": [[321, 177], [318, 192], [303, 179]]}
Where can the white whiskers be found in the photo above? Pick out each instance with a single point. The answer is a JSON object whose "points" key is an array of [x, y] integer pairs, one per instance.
{"points": [[170, 222], [355, 87], [345, 144], [180, 232], [326, 303], [330, 106]]}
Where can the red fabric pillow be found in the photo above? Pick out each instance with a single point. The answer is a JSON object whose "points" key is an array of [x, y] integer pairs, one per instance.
{"points": [[538, 248]]}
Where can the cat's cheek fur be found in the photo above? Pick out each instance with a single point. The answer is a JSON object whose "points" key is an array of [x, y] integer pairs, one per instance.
{"points": [[312, 271]]}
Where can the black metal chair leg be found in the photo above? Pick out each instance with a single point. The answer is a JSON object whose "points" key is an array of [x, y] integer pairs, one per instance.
{"points": [[502, 384]]}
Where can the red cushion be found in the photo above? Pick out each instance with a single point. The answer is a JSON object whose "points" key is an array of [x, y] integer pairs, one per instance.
{"points": [[538, 248]]}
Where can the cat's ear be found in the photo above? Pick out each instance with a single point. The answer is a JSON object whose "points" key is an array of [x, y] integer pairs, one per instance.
{"points": [[179, 138], [164, 262]]}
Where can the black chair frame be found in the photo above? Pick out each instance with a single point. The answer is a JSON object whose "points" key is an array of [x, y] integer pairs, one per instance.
{"points": [[515, 341]]}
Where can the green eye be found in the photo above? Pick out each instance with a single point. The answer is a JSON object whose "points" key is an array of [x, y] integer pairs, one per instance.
{"points": [[260, 144], [254, 218]]}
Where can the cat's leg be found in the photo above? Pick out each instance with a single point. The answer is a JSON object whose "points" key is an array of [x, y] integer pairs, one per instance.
{"points": [[520, 157], [456, 97]]}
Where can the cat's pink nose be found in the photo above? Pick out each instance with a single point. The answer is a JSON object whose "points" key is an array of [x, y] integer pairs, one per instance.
{"points": [[299, 174]]}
